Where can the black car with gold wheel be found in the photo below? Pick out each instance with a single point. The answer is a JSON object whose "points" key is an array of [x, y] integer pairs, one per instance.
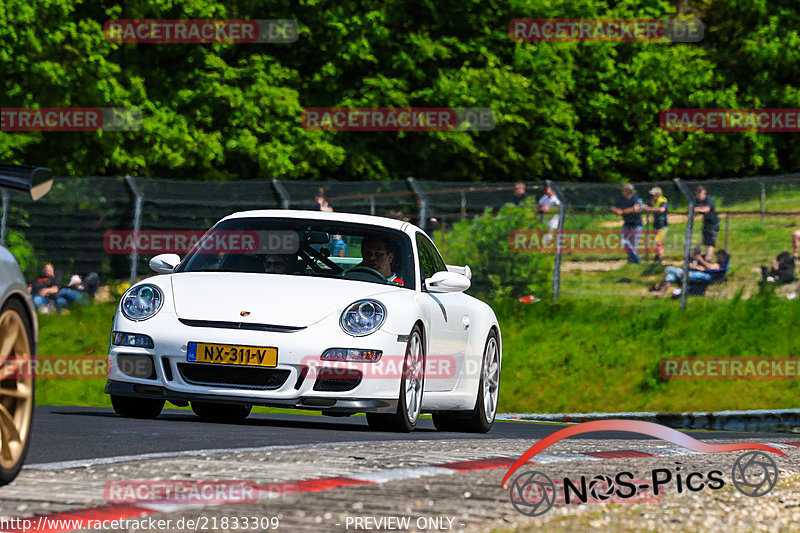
{"points": [[18, 337]]}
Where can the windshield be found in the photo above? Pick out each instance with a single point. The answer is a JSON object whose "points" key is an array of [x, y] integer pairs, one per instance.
{"points": [[300, 247]]}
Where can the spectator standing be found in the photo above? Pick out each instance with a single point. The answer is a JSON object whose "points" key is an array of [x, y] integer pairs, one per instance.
{"points": [[320, 203], [704, 205], [548, 201], [339, 246], [659, 208], [427, 221], [629, 206], [519, 193]]}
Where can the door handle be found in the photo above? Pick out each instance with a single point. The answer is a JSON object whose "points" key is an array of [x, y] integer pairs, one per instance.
{"points": [[465, 321]]}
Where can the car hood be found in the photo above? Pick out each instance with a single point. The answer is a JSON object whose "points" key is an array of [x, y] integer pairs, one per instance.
{"points": [[280, 300]]}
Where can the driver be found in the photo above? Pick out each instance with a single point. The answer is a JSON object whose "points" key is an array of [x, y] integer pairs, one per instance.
{"points": [[378, 254], [277, 264]]}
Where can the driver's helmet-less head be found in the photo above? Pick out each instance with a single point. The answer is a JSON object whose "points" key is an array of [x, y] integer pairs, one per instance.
{"points": [[278, 264]]}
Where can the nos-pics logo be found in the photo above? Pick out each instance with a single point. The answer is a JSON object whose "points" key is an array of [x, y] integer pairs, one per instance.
{"points": [[533, 493]]}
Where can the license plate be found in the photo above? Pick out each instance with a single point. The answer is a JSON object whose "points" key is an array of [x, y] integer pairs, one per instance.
{"points": [[232, 354]]}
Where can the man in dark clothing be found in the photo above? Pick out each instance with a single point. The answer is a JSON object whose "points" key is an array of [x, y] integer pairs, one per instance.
{"points": [[519, 193], [45, 289], [629, 206], [704, 205], [782, 269], [46, 294]]}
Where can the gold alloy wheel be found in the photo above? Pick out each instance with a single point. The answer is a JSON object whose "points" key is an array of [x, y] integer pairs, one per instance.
{"points": [[16, 390]]}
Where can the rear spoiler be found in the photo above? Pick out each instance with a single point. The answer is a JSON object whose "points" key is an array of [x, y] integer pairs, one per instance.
{"points": [[34, 180], [464, 271]]}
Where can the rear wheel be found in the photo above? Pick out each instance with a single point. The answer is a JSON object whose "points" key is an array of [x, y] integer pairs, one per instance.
{"points": [[409, 404], [16, 388], [128, 407], [221, 412], [481, 418]]}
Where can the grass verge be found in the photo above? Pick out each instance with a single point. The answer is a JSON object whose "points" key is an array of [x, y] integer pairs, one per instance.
{"points": [[574, 356]]}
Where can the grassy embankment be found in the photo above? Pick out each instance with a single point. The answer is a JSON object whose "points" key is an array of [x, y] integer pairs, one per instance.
{"points": [[578, 355]]}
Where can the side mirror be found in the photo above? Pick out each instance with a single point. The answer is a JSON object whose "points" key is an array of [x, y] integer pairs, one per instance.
{"points": [[447, 282], [165, 263], [35, 181], [464, 271]]}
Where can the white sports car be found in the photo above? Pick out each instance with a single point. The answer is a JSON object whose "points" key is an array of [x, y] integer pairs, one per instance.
{"points": [[341, 313], [18, 336]]}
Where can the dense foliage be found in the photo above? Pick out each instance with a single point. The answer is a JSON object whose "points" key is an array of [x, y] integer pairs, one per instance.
{"points": [[498, 271], [586, 111]]}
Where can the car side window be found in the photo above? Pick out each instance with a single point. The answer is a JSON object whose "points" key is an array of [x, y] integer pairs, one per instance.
{"points": [[430, 262]]}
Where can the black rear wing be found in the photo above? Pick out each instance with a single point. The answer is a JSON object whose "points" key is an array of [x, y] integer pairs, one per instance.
{"points": [[34, 180]]}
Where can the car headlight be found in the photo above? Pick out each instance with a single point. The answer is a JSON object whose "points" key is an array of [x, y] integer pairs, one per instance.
{"points": [[141, 302], [363, 317], [119, 338]]}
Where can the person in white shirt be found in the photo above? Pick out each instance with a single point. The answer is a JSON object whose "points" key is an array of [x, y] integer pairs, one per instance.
{"points": [[549, 201]]}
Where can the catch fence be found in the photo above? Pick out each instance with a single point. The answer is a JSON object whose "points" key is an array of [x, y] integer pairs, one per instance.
{"points": [[756, 219]]}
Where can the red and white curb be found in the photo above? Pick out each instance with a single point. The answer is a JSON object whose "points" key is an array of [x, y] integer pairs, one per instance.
{"points": [[84, 518]]}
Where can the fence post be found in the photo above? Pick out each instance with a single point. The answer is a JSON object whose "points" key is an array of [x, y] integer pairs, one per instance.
{"points": [[687, 241], [4, 220], [284, 196], [423, 202], [562, 209], [763, 200], [137, 222], [371, 204], [463, 205], [728, 231]]}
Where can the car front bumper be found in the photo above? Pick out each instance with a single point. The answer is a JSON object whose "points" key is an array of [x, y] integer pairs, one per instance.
{"points": [[293, 383], [327, 405]]}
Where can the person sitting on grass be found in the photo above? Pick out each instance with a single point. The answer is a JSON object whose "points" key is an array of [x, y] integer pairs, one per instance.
{"points": [[782, 270], [699, 270], [46, 295]]}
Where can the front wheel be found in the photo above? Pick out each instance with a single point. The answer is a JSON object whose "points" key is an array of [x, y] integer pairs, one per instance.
{"points": [[16, 389], [409, 404], [142, 408]]}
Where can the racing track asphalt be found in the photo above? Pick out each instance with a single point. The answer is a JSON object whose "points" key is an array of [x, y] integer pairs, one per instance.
{"points": [[73, 433]]}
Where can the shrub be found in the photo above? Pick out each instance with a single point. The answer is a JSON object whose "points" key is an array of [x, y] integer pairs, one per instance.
{"points": [[23, 251], [482, 243]]}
